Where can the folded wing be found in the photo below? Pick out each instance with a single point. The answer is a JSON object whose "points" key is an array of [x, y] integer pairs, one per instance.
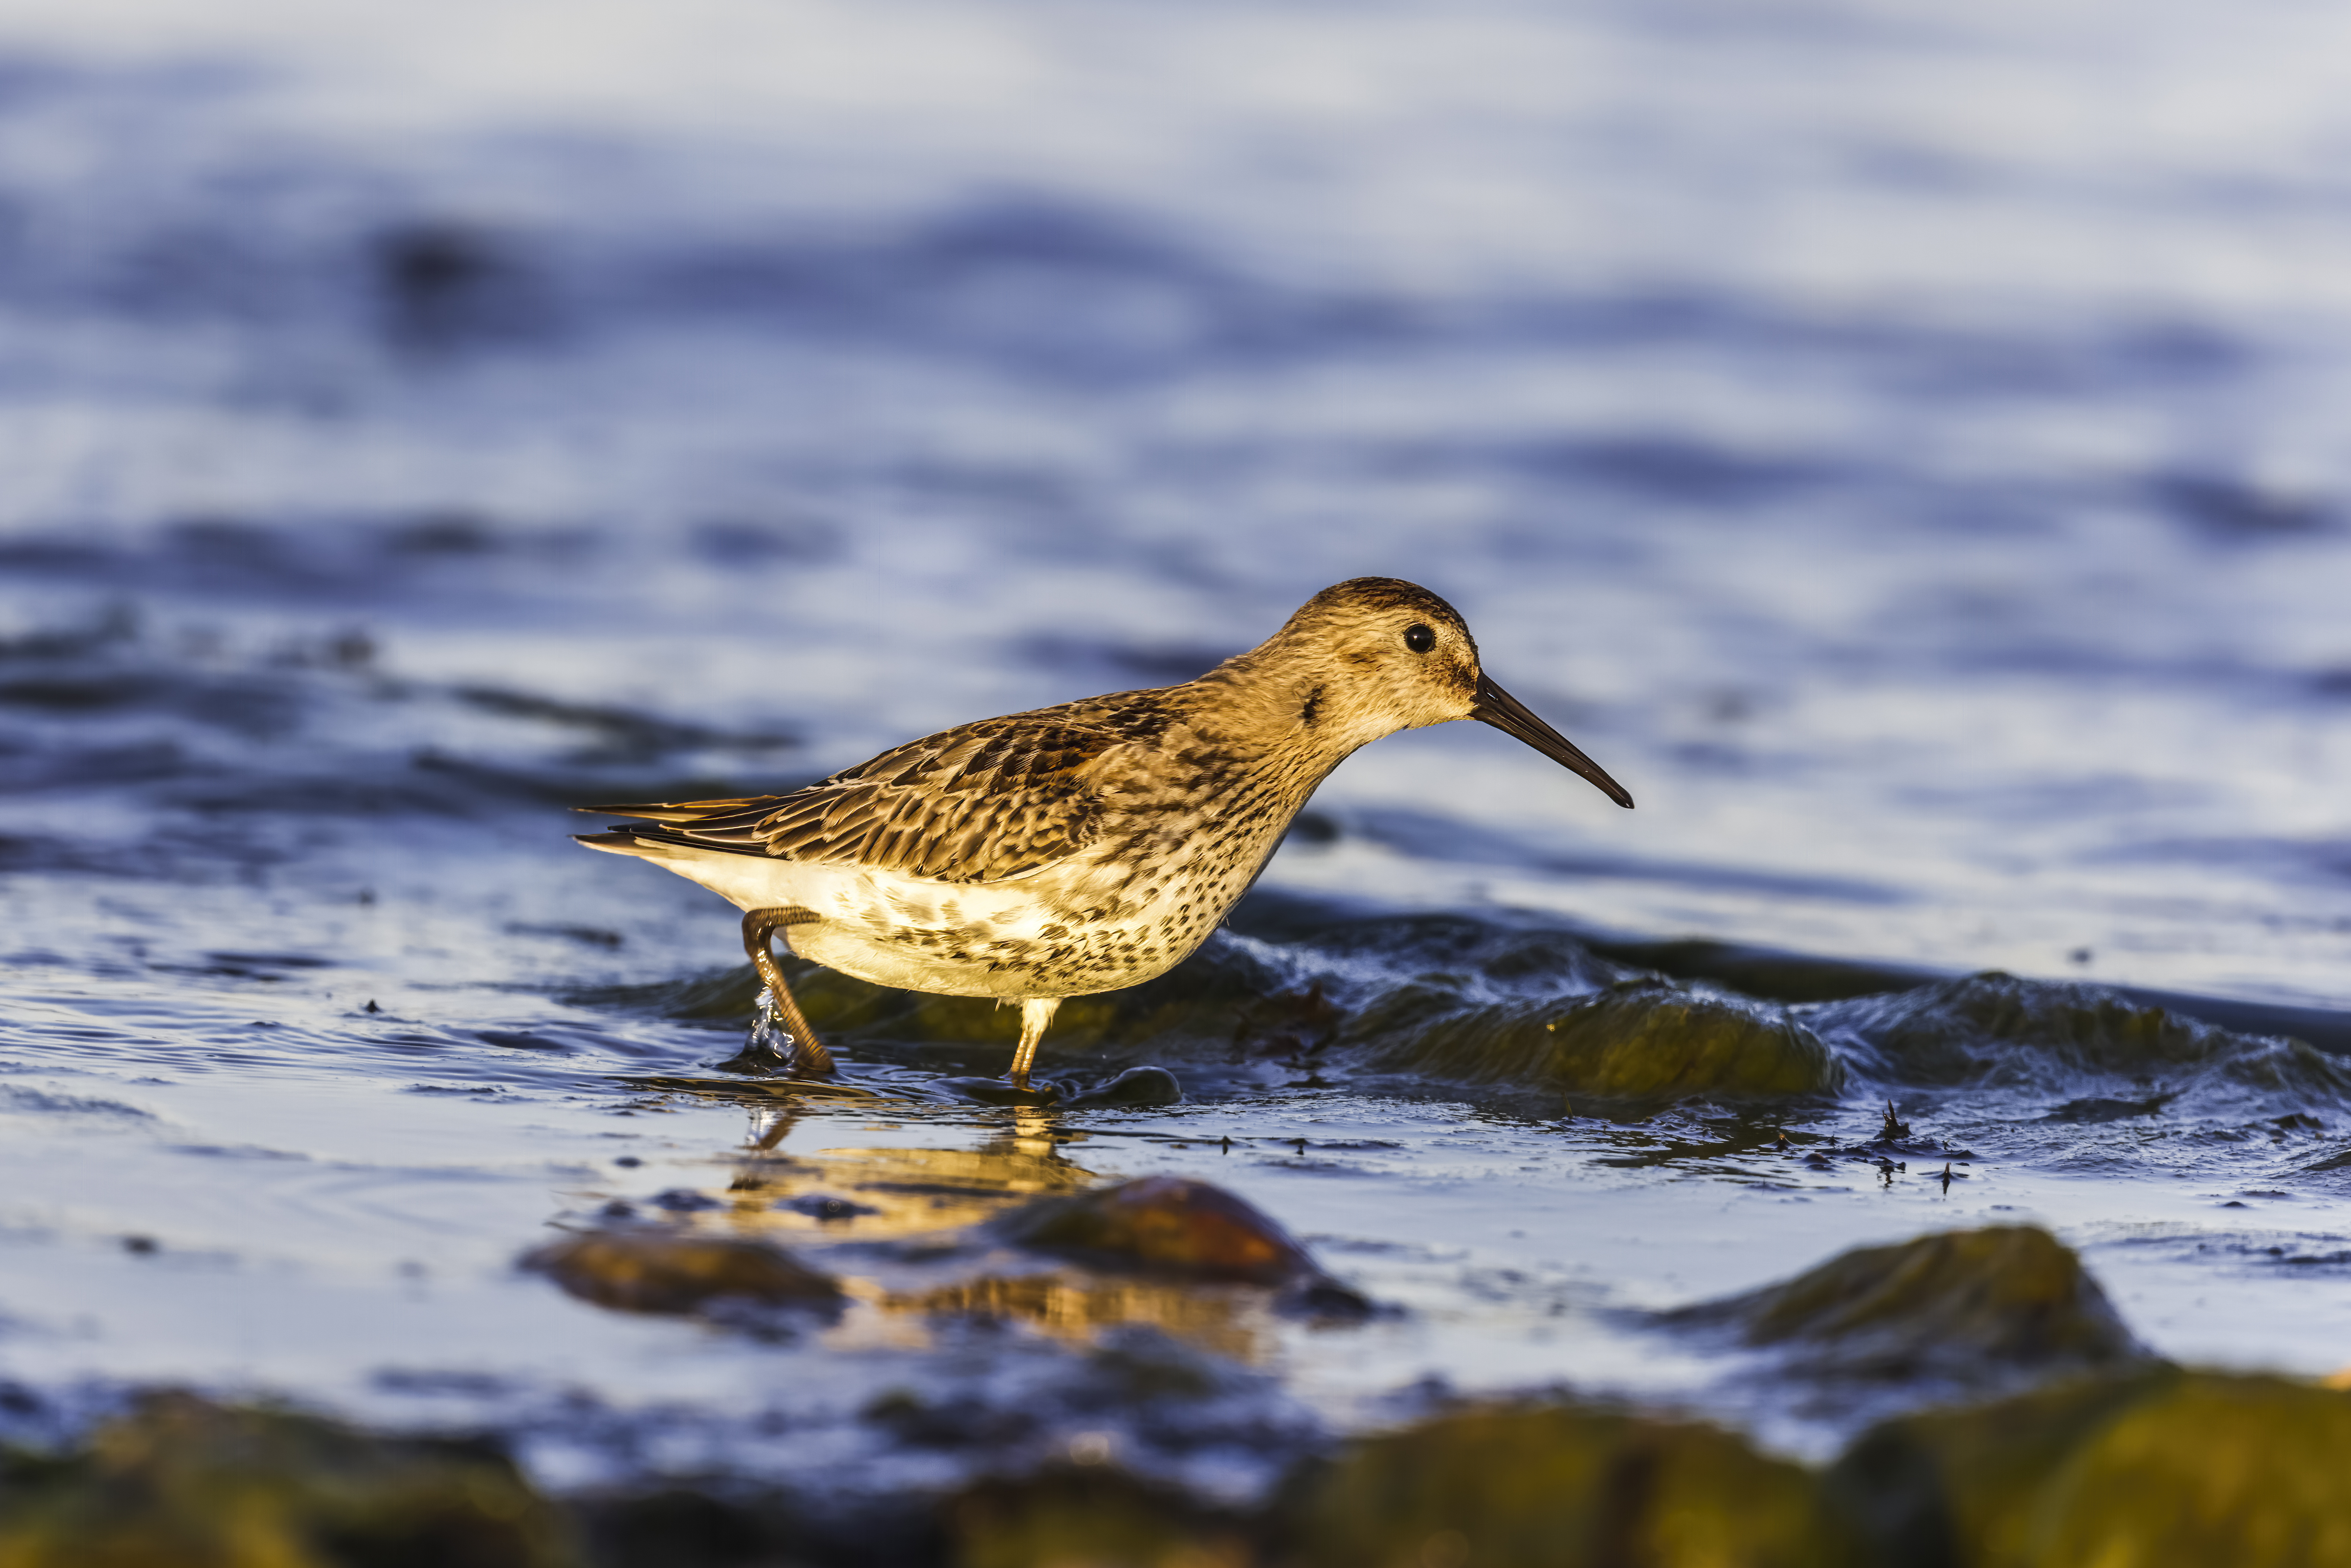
{"points": [[977, 803]]}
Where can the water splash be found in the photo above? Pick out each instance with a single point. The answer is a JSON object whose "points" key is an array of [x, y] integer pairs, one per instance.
{"points": [[769, 1050]]}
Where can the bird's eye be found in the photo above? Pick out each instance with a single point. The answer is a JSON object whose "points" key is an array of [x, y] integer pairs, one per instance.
{"points": [[1419, 638]]}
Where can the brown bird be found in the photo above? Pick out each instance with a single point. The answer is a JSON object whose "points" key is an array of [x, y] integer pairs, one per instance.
{"points": [[1085, 847]]}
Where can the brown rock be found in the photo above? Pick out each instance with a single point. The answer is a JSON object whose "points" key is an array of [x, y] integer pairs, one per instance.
{"points": [[184, 1483], [1094, 1517], [672, 1271], [1169, 1223], [1637, 1040], [1963, 1304], [2159, 1469], [1560, 1487]]}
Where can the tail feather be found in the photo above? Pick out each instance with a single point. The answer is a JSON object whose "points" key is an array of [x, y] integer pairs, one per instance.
{"points": [[620, 840], [676, 812], [661, 844]]}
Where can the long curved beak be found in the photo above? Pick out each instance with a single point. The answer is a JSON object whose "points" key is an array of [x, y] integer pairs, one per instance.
{"points": [[1511, 716]]}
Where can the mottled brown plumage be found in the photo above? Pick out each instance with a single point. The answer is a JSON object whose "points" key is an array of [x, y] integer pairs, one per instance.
{"points": [[1090, 845]]}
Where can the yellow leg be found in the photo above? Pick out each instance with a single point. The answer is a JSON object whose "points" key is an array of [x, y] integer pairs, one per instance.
{"points": [[1036, 1012], [815, 1061]]}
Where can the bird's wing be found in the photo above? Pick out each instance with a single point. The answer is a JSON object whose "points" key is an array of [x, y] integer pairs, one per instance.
{"points": [[977, 803]]}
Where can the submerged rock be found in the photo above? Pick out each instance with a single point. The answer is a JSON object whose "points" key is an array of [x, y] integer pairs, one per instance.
{"points": [[1964, 1304], [1994, 1030], [673, 1271], [2155, 1469], [1090, 1514], [1175, 1225], [682, 1527], [1446, 996], [1637, 1040], [181, 1482], [1959, 1031], [1560, 1486], [1134, 1087]]}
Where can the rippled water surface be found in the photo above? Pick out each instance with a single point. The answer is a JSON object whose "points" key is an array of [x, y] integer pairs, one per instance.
{"points": [[1909, 454]]}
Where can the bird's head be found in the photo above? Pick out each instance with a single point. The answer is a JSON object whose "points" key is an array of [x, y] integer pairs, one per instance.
{"points": [[1378, 654]]}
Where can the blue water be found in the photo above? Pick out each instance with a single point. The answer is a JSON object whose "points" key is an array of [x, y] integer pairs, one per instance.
{"points": [[1906, 452]]}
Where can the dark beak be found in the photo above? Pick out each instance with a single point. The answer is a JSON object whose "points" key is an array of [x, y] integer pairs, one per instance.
{"points": [[1511, 716]]}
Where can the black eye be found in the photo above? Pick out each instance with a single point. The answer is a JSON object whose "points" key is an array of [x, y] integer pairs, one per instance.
{"points": [[1419, 638]]}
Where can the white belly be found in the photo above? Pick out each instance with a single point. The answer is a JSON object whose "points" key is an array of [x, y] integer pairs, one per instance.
{"points": [[1055, 934]]}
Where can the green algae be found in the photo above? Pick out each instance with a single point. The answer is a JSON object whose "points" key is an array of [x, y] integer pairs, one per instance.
{"points": [[1929, 1029], [181, 1482], [1094, 1516], [1635, 1039], [1994, 1029], [1560, 1486], [2160, 1469], [1962, 1303]]}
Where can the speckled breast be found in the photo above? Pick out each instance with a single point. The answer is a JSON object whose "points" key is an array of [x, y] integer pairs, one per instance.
{"points": [[1100, 926]]}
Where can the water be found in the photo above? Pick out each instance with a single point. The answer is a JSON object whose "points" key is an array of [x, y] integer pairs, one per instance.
{"points": [[1907, 454]]}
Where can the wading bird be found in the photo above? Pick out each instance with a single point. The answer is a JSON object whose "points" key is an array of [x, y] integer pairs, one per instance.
{"points": [[1085, 847]]}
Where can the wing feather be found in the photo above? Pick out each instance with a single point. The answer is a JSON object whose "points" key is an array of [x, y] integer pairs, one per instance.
{"points": [[977, 803]]}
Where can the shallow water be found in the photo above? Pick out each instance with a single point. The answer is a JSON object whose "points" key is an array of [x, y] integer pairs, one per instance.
{"points": [[1929, 499]]}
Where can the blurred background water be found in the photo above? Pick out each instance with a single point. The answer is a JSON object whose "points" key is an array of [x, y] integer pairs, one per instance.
{"points": [[1906, 447]]}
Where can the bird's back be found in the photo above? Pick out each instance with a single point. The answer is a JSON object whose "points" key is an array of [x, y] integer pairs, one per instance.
{"points": [[1063, 851], [985, 801]]}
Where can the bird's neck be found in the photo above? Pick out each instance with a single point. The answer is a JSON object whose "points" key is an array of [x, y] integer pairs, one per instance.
{"points": [[1269, 711]]}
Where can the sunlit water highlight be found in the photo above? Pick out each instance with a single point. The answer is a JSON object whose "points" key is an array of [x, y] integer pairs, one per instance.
{"points": [[1928, 498]]}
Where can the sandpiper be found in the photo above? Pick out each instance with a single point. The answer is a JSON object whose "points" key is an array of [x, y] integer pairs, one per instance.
{"points": [[1081, 848]]}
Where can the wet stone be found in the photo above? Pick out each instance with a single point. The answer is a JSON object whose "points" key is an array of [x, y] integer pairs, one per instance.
{"points": [[999, 1090], [667, 1272], [1558, 1487], [679, 1527], [2158, 1467], [1638, 1040], [1171, 1224], [1965, 1304], [1136, 1087], [1994, 1030], [1088, 1513], [181, 1482]]}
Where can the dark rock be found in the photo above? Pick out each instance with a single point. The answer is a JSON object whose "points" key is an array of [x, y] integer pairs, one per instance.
{"points": [[679, 1527], [1994, 1029], [1166, 1223], [444, 286], [1137, 1086], [666, 1271], [958, 1421], [1560, 1486], [1967, 1304], [2096, 1109], [823, 1205], [1638, 1040], [1090, 1514], [999, 1090], [184, 1483], [2158, 1468]]}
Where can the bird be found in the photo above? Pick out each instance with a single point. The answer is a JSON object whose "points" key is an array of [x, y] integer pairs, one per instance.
{"points": [[1085, 847]]}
